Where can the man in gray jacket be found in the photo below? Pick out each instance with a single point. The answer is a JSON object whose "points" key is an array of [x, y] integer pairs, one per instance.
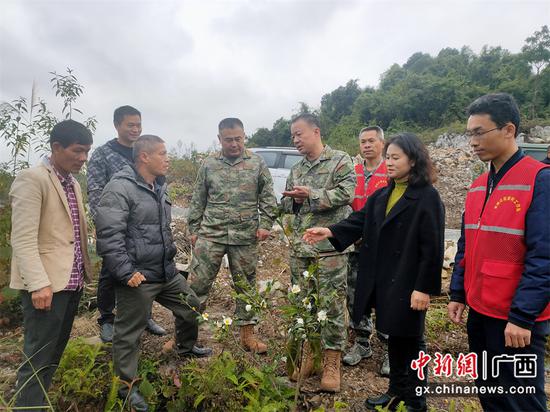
{"points": [[136, 243], [105, 161]]}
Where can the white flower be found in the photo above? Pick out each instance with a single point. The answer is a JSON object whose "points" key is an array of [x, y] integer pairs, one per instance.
{"points": [[322, 315], [283, 358], [295, 289], [248, 308], [219, 324], [205, 316], [300, 321], [227, 321], [306, 274], [308, 306]]}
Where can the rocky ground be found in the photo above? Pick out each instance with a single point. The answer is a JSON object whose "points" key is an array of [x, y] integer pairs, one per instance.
{"points": [[456, 169]]}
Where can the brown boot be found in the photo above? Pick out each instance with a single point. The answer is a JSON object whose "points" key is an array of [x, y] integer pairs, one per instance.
{"points": [[250, 342], [330, 381], [306, 364]]}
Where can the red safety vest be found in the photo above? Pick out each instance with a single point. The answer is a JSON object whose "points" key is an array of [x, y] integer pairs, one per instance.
{"points": [[495, 239], [378, 180]]}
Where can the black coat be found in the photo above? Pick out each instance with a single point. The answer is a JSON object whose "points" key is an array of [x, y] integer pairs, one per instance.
{"points": [[398, 254], [133, 229]]}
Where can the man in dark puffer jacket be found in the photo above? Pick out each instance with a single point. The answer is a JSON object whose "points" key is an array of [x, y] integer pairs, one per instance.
{"points": [[135, 241]]}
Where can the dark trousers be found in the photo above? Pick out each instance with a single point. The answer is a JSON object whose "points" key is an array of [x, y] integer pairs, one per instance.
{"points": [[403, 379], [487, 334], [105, 297], [134, 308], [363, 330], [46, 335]]}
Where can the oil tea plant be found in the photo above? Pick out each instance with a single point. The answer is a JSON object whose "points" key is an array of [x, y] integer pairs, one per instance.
{"points": [[25, 125]]}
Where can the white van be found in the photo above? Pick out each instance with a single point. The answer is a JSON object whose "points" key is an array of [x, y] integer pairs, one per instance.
{"points": [[279, 160]]}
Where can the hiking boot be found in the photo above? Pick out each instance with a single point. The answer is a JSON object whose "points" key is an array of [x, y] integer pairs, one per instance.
{"points": [[154, 328], [385, 367], [306, 364], [250, 342], [106, 332], [330, 381], [357, 352]]}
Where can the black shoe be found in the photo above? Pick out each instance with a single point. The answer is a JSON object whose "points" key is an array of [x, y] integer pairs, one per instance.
{"points": [[383, 400], [106, 332], [196, 352], [135, 400], [154, 328]]}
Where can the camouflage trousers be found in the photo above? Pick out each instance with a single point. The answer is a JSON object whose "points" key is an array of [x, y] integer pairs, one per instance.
{"points": [[332, 272], [205, 265], [363, 330]]}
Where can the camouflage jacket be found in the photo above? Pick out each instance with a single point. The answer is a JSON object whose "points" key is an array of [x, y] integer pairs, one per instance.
{"points": [[105, 161], [331, 180], [232, 199]]}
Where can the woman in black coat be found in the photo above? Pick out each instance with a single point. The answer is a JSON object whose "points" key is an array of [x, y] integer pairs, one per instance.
{"points": [[401, 255]]}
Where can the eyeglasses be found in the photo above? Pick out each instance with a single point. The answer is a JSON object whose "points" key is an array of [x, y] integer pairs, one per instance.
{"points": [[478, 133]]}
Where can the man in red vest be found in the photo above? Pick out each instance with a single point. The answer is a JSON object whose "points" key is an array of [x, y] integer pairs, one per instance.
{"points": [[502, 267], [370, 172]]}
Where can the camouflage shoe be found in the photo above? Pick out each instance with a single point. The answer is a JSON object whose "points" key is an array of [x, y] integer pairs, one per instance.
{"points": [[357, 352]]}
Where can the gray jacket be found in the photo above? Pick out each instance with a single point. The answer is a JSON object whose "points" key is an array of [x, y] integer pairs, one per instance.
{"points": [[133, 228]]}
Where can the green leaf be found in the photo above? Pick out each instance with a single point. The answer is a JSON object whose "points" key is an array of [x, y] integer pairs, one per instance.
{"points": [[146, 388], [198, 400]]}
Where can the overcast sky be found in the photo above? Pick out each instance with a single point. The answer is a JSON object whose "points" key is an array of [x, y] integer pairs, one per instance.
{"points": [[187, 64]]}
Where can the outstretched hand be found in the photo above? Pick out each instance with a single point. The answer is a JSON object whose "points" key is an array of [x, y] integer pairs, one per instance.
{"points": [[316, 234]]}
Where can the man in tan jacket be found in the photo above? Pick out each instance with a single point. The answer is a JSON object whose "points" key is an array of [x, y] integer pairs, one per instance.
{"points": [[50, 260]]}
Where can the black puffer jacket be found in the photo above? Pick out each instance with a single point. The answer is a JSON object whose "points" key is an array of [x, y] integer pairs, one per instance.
{"points": [[133, 229]]}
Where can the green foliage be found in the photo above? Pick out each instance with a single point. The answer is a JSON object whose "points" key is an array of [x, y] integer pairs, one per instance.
{"points": [[279, 135], [25, 126], [84, 374], [429, 92], [5, 226], [438, 322], [228, 384], [10, 306]]}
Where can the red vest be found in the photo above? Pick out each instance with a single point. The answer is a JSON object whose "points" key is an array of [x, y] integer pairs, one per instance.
{"points": [[495, 239], [378, 180]]}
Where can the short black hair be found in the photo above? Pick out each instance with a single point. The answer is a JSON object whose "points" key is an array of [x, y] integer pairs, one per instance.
{"points": [[501, 107], [230, 123], [309, 118], [423, 171], [377, 129], [70, 132], [145, 143], [120, 112]]}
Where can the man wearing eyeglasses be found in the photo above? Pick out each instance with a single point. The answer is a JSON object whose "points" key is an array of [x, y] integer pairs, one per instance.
{"points": [[233, 207], [502, 267]]}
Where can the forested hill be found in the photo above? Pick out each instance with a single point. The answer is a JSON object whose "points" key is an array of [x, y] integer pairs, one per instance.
{"points": [[429, 93]]}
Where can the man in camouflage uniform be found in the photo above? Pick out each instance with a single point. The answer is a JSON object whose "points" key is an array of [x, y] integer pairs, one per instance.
{"points": [[105, 161], [318, 192], [233, 207], [370, 172]]}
